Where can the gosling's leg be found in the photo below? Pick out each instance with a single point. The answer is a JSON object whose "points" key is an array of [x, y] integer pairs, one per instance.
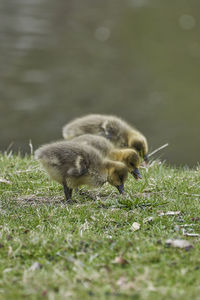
{"points": [[68, 192]]}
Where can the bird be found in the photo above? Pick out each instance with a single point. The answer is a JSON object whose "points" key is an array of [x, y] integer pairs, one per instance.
{"points": [[127, 156], [73, 165], [118, 131]]}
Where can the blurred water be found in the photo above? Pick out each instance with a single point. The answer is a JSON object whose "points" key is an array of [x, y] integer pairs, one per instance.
{"points": [[139, 59]]}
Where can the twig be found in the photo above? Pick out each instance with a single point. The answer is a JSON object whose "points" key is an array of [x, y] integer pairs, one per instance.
{"points": [[9, 147], [188, 194], [158, 149], [31, 147]]}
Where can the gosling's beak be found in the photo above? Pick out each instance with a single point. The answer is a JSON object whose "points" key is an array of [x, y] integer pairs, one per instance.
{"points": [[136, 173], [146, 158], [120, 188]]}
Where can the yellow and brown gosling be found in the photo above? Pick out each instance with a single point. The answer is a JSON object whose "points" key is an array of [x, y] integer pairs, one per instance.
{"points": [[73, 165], [128, 156], [119, 132]]}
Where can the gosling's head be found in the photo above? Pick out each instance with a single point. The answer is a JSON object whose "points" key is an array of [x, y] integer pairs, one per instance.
{"points": [[131, 159], [117, 175], [140, 144]]}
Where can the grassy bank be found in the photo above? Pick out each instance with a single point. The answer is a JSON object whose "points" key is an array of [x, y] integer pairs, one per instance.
{"points": [[91, 249]]}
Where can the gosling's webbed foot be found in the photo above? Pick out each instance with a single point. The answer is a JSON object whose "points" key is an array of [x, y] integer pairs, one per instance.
{"points": [[69, 202]]}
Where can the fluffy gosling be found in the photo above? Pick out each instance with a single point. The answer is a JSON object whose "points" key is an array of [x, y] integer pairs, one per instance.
{"points": [[129, 157], [120, 133], [73, 165]]}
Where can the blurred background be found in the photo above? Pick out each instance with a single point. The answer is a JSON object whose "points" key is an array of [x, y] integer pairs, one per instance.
{"points": [[138, 59]]}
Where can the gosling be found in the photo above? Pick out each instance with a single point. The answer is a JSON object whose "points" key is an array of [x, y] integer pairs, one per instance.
{"points": [[129, 157], [73, 165], [120, 133]]}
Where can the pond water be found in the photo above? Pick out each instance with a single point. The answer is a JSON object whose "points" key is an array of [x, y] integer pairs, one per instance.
{"points": [[138, 59]]}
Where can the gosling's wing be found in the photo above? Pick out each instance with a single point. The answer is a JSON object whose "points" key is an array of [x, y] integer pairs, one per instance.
{"points": [[76, 173], [79, 167], [107, 130], [106, 134]]}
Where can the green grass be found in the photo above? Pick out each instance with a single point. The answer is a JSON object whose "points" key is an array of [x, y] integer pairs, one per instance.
{"points": [[77, 245]]}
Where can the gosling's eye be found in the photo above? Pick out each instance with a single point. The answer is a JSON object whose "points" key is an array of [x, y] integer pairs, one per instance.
{"points": [[132, 164]]}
